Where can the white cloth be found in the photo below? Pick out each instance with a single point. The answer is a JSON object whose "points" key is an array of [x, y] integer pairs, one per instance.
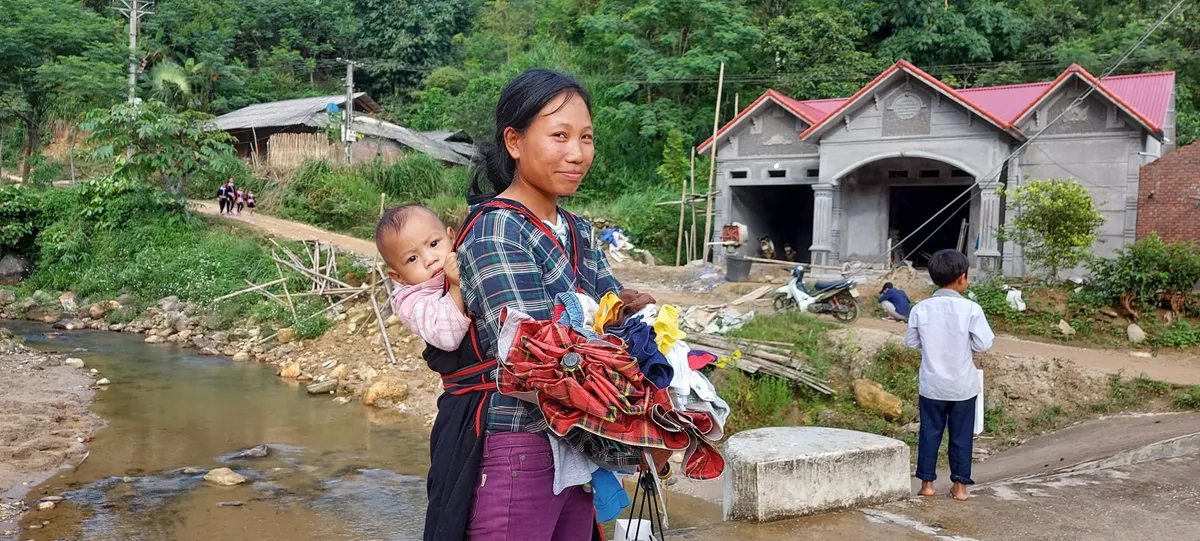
{"points": [[678, 357], [948, 329], [508, 333], [560, 230], [590, 307], [571, 467], [702, 387]]}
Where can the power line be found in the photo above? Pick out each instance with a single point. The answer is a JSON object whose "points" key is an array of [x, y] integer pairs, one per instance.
{"points": [[1030, 140]]}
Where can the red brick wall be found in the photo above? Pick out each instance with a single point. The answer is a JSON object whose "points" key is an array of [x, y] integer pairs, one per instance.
{"points": [[1169, 196]]}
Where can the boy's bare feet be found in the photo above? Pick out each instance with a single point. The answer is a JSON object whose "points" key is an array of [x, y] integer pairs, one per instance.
{"points": [[959, 491], [927, 489]]}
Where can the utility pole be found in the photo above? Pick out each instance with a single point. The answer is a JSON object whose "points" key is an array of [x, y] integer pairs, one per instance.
{"points": [[348, 134], [133, 10]]}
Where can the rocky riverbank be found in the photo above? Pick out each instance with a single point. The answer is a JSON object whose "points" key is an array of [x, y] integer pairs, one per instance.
{"points": [[45, 422], [349, 362]]}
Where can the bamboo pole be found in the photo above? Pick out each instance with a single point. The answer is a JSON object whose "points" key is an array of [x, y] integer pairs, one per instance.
{"points": [[287, 295], [736, 110], [248, 290], [387, 341], [712, 166], [304, 270], [308, 317], [682, 209], [692, 189], [270, 296]]}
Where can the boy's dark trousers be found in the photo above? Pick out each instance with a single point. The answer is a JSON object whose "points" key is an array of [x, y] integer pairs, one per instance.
{"points": [[936, 417]]}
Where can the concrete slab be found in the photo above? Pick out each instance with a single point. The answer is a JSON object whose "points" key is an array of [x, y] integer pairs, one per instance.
{"points": [[775, 473], [1085, 442]]}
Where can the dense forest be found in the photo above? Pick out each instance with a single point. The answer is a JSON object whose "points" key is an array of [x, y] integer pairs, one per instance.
{"points": [[651, 65]]}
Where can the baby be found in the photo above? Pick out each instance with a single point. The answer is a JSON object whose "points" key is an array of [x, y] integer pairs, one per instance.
{"points": [[419, 251]]}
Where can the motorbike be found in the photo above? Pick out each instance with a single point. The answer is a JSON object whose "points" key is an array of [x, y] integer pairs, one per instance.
{"points": [[839, 299]]}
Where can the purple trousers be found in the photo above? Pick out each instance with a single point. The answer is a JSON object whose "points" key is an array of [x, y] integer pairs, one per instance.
{"points": [[514, 498]]}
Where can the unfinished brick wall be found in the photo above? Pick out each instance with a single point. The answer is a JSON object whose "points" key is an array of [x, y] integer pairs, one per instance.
{"points": [[1169, 196]]}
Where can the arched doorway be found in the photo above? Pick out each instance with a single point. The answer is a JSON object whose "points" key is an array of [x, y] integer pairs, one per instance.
{"points": [[893, 198]]}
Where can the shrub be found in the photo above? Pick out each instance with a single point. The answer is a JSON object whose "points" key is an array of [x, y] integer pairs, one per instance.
{"points": [[1147, 274], [415, 177], [1188, 398], [323, 197], [20, 214], [1056, 225], [649, 227]]}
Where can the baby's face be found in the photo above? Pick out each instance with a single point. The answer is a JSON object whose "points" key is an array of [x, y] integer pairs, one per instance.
{"points": [[419, 250]]}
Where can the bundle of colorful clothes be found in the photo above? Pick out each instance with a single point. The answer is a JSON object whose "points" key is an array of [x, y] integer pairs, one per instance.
{"points": [[620, 369]]}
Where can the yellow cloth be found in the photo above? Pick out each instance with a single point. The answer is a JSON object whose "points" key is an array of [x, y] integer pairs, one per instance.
{"points": [[666, 328], [609, 312]]}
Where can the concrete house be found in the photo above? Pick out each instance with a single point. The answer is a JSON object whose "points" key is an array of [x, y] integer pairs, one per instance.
{"points": [[838, 178]]}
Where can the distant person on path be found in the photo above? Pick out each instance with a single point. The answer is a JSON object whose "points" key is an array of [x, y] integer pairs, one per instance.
{"points": [[241, 201], [949, 329], [250, 202], [895, 302], [223, 197]]}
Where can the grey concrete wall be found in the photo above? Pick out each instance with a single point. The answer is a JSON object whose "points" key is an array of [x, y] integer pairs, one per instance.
{"points": [[1107, 164]]}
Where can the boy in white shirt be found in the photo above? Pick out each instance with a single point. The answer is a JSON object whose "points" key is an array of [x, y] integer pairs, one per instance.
{"points": [[949, 329]]}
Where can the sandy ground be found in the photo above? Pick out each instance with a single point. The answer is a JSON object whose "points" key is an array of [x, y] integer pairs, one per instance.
{"points": [[44, 419]]}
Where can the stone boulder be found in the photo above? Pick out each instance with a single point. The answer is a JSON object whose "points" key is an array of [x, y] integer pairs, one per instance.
{"points": [[286, 334], [324, 387], [68, 302], [393, 389], [242, 356], [14, 268], [45, 315], [782, 472], [98, 310], [290, 371], [169, 304], [155, 339], [224, 477], [1135, 333], [7, 297], [872, 397], [74, 362]]}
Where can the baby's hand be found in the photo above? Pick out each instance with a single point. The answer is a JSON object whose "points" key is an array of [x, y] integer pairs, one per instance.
{"points": [[450, 267]]}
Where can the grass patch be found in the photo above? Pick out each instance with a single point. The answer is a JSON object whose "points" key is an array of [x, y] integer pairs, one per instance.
{"points": [[1188, 398]]}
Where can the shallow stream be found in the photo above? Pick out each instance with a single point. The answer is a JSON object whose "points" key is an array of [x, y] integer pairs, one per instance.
{"points": [[334, 472]]}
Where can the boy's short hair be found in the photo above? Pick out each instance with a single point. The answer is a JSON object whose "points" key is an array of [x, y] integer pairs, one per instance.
{"points": [[393, 220], [946, 266], [887, 286]]}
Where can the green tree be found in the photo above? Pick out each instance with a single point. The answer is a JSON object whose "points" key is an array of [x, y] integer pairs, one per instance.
{"points": [[81, 84], [35, 35], [819, 52], [399, 41], [168, 147], [1055, 223], [674, 167]]}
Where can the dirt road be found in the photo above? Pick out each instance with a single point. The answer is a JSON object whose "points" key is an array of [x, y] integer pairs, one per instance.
{"points": [[288, 229], [1167, 367]]}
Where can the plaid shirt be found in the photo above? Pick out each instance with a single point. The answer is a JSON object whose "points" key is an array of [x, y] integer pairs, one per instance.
{"points": [[506, 261]]}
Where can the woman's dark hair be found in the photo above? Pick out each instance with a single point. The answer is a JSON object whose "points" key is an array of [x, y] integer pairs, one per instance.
{"points": [[493, 168]]}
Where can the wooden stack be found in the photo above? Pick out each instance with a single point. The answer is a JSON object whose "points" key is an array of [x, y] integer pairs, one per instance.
{"points": [[774, 358]]}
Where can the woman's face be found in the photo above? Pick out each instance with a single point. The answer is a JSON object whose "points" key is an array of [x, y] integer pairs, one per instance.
{"points": [[555, 153]]}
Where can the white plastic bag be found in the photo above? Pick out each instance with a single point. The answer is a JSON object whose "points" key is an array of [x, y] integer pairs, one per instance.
{"points": [[979, 405], [1014, 300]]}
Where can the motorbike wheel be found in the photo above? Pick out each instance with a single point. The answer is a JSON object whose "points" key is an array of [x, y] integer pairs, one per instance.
{"points": [[849, 310], [783, 302]]}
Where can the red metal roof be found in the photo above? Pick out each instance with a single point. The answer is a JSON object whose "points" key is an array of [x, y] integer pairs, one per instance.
{"points": [[1147, 95]]}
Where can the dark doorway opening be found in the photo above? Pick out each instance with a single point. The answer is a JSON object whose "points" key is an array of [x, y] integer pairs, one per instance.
{"points": [[782, 213], [912, 206]]}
